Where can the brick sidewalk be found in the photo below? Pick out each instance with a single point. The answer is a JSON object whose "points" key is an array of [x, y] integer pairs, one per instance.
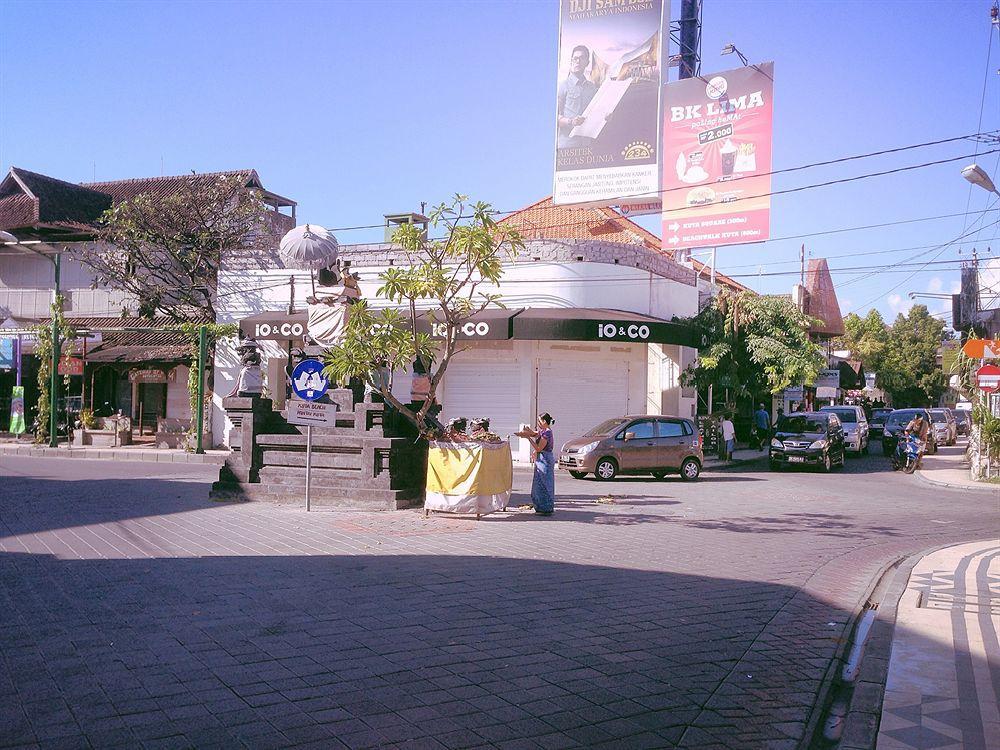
{"points": [[685, 614]]}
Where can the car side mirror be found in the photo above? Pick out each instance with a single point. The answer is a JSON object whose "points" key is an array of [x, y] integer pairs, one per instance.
{"points": [[629, 436]]}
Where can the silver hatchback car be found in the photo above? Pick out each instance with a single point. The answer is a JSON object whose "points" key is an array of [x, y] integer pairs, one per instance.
{"points": [[855, 426]]}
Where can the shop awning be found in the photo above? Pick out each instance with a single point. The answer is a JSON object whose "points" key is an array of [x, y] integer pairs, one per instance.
{"points": [[530, 324], [595, 324]]}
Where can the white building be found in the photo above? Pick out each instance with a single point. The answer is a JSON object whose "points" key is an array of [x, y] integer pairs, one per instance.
{"points": [[587, 334]]}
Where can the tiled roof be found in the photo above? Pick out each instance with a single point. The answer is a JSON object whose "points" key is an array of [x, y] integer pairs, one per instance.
{"points": [[545, 220], [54, 201], [123, 190], [823, 304], [18, 211], [32, 200], [136, 346]]}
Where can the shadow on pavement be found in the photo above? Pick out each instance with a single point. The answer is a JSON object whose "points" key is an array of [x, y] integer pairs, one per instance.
{"points": [[378, 650]]}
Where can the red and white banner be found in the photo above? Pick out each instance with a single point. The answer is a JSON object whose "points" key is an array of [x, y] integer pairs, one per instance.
{"points": [[717, 158]]}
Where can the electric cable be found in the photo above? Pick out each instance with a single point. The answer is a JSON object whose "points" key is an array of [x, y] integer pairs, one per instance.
{"points": [[797, 168]]}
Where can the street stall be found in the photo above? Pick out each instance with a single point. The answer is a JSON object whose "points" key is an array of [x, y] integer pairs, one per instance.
{"points": [[468, 473]]}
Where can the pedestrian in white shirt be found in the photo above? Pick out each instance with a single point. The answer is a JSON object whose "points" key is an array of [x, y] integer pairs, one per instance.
{"points": [[729, 436]]}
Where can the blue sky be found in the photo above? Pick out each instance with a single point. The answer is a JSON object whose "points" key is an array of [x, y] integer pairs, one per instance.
{"points": [[356, 109]]}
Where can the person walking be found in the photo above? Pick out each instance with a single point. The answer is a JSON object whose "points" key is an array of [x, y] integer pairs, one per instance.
{"points": [[762, 422], [543, 483], [729, 436]]}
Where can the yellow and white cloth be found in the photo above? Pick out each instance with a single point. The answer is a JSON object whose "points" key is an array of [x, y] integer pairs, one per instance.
{"points": [[468, 477]]}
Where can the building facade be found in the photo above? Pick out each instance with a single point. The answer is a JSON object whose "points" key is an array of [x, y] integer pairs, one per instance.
{"points": [[561, 292], [121, 362]]}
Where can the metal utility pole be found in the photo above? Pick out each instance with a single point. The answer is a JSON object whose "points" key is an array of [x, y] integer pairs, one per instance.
{"points": [[54, 364], [200, 418], [690, 39]]}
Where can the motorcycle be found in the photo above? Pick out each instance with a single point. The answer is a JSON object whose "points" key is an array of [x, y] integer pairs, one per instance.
{"points": [[908, 453]]}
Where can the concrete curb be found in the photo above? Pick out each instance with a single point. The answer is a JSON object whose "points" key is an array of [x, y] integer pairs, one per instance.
{"points": [[951, 485], [149, 456], [864, 715], [813, 733]]}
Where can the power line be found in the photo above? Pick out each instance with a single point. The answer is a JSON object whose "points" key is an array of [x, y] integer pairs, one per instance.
{"points": [[786, 170], [979, 126], [943, 248]]}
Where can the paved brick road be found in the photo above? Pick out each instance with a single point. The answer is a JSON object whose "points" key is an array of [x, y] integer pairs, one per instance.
{"points": [[133, 612]]}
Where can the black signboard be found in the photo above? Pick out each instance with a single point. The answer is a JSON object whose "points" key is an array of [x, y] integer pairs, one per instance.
{"points": [[708, 428], [570, 325]]}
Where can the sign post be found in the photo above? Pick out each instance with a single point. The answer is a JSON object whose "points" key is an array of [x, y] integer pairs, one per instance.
{"points": [[308, 384]]}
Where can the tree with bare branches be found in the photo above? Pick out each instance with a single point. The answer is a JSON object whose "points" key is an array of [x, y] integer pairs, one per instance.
{"points": [[166, 249]]}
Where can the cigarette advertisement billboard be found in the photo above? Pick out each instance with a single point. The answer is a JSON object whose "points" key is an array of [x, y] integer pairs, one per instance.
{"points": [[608, 100], [717, 158]]}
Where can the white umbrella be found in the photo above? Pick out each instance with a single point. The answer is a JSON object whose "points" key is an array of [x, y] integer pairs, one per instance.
{"points": [[309, 246]]}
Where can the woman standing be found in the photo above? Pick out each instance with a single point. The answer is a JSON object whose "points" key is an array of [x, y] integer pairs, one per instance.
{"points": [[543, 483]]}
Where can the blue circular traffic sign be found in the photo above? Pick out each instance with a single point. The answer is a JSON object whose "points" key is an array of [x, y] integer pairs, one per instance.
{"points": [[307, 380]]}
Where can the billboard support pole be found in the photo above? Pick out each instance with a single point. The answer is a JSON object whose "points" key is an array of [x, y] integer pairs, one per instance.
{"points": [[690, 39]]}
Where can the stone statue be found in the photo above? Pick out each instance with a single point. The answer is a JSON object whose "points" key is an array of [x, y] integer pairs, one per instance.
{"points": [[251, 380]]}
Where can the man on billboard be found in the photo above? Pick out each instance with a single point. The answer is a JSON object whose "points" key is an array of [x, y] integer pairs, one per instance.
{"points": [[575, 93]]}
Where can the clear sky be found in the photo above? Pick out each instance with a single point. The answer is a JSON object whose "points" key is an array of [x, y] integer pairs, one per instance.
{"points": [[356, 109]]}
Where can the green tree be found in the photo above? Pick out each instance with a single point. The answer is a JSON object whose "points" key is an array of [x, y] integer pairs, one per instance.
{"points": [[444, 275], [755, 345], [909, 372], [166, 249], [866, 338]]}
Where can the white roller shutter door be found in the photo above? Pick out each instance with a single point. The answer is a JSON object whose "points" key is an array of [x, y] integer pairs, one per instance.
{"points": [[580, 395], [484, 389]]}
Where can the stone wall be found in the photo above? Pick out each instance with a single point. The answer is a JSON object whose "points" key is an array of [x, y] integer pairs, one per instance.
{"points": [[545, 251]]}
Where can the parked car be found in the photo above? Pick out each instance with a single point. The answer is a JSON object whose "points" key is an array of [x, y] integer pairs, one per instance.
{"points": [[963, 422], [657, 445], [896, 422], [945, 428], [876, 423], [855, 425], [808, 439]]}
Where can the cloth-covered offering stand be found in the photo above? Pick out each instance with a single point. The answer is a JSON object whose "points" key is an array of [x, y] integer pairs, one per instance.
{"points": [[468, 477]]}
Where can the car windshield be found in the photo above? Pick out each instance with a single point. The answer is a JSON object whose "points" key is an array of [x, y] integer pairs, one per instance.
{"points": [[881, 413], [846, 415], [801, 424], [605, 427], [961, 416], [938, 416], [904, 416]]}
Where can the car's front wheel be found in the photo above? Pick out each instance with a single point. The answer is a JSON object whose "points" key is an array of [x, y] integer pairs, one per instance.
{"points": [[578, 474], [690, 470], [606, 469]]}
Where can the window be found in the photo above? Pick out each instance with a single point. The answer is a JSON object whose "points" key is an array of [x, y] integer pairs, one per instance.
{"points": [[845, 415], [671, 428], [642, 430]]}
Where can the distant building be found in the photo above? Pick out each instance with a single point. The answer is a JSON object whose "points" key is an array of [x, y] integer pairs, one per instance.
{"points": [[51, 215]]}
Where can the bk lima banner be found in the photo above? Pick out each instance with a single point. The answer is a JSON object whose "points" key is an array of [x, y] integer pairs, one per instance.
{"points": [[717, 158], [608, 101]]}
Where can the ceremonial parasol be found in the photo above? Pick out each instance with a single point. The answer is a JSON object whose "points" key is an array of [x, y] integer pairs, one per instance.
{"points": [[309, 246]]}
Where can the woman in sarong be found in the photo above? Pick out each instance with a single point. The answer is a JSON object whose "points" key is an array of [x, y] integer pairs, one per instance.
{"points": [[543, 483]]}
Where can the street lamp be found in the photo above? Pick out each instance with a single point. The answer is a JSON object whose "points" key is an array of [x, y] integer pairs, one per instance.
{"points": [[730, 49], [6, 238], [931, 295], [977, 176]]}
